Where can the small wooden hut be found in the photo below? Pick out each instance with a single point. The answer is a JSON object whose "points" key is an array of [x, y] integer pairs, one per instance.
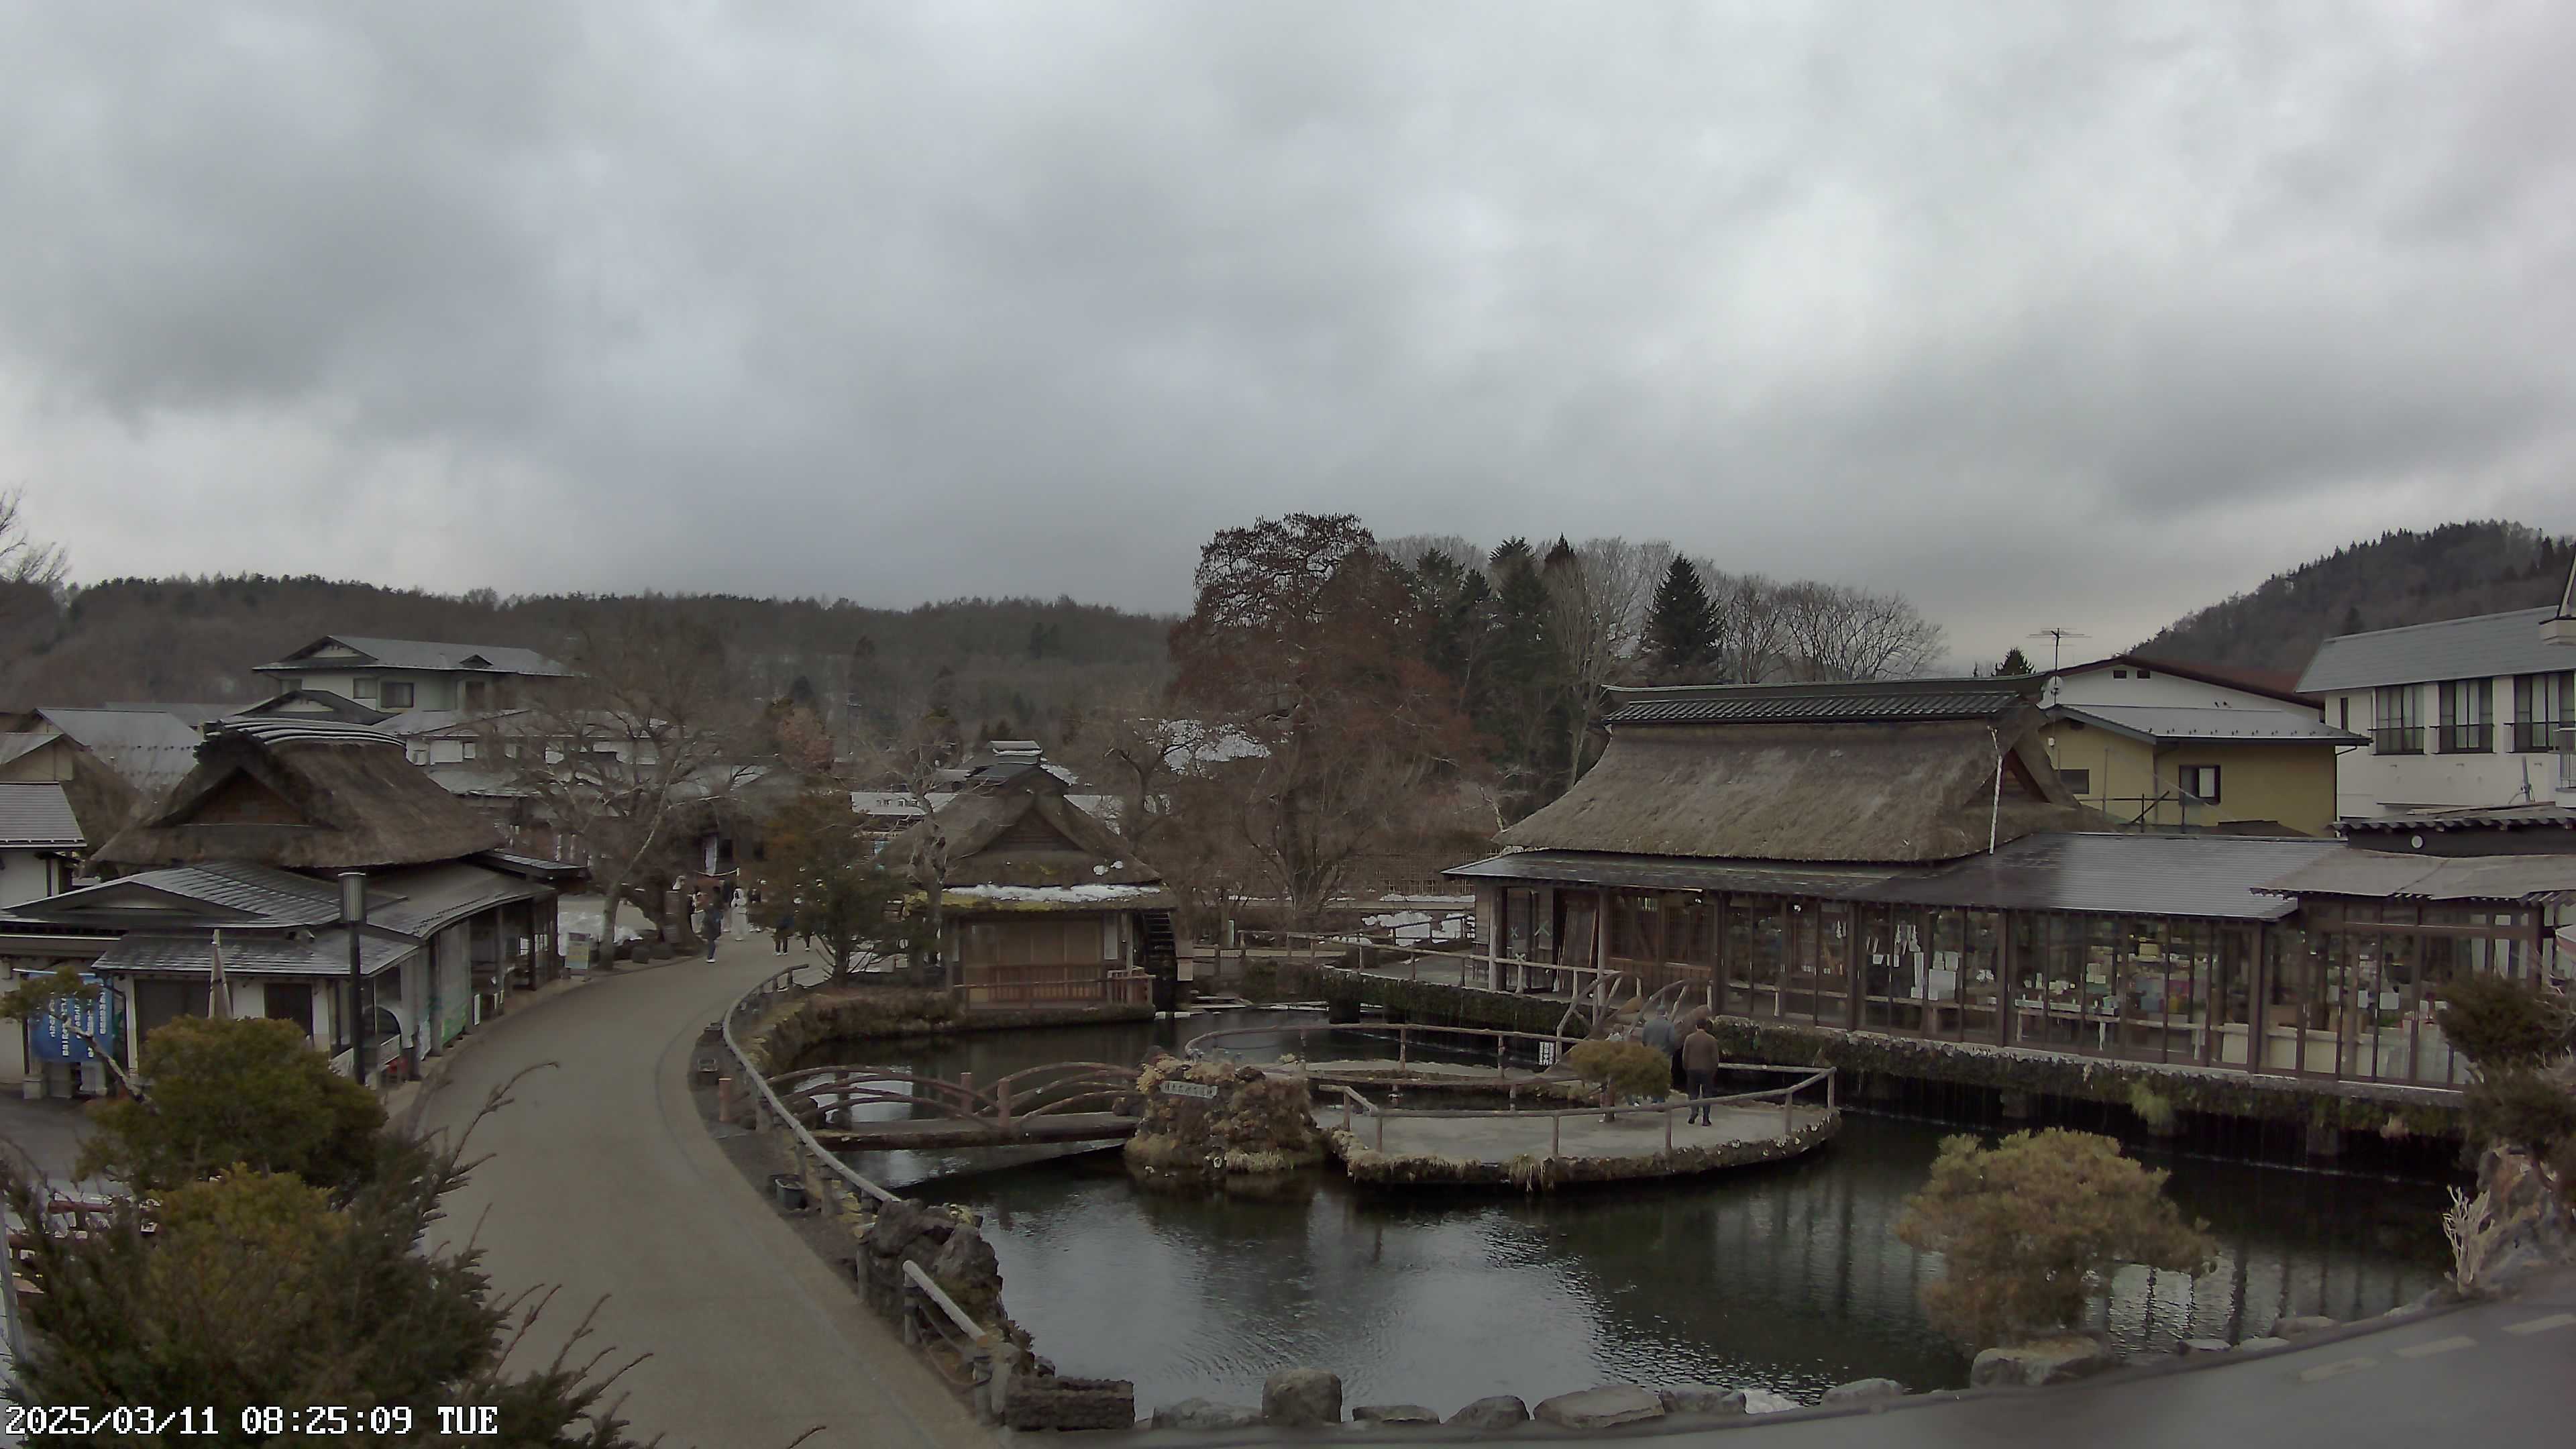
{"points": [[1041, 903]]}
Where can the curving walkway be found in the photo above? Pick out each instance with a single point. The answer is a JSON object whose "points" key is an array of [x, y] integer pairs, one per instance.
{"points": [[603, 1179]]}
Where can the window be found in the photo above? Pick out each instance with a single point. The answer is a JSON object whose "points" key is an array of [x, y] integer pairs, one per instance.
{"points": [[2397, 720], [2077, 782], [2199, 780], [2543, 704], [2467, 722], [472, 749], [397, 694], [2119, 674], [289, 684], [2146, 674], [362, 687]]}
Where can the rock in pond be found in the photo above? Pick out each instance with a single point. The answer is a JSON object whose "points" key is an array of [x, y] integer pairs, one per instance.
{"points": [[1606, 1407], [2253, 1343], [2305, 1323], [1393, 1414], [2189, 1346], [1301, 1398], [1501, 1411], [1205, 1414], [2051, 1361], [1701, 1399], [1863, 1391]]}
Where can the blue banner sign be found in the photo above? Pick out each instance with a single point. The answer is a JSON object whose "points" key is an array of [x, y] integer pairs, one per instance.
{"points": [[54, 1035]]}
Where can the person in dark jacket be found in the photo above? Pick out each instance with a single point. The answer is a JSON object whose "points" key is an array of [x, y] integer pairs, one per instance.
{"points": [[781, 928], [1700, 1060]]}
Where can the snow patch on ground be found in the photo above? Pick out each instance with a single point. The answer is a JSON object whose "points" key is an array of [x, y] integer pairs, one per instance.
{"points": [[1055, 893], [1764, 1401], [581, 914]]}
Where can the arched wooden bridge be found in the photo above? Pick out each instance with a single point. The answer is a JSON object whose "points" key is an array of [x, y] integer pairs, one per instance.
{"points": [[1058, 1102]]}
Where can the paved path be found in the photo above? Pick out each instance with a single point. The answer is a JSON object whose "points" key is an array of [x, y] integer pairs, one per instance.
{"points": [[604, 1180]]}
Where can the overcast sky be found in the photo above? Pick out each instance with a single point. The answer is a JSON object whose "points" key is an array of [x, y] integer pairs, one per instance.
{"points": [[2046, 314]]}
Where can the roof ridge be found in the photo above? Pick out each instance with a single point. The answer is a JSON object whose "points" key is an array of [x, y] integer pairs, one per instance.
{"points": [[2547, 609]]}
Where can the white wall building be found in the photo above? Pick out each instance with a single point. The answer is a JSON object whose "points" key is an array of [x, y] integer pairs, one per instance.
{"points": [[395, 675], [2465, 712]]}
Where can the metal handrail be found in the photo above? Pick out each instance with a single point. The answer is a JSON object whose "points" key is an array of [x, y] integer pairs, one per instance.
{"points": [[742, 1059], [930, 1289], [1669, 1104], [1353, 1102], [1402, 1029]]}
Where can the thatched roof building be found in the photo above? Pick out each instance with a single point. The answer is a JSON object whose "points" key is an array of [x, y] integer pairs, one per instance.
{"points": [[1014, 827], [1891, 772], [302, 795]]}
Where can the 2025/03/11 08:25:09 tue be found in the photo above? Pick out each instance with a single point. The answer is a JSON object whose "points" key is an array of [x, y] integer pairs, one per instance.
{"points": [[37, 1423]]}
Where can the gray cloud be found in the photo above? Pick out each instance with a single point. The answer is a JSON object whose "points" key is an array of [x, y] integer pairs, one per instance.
{"points": [[2041, 315]]}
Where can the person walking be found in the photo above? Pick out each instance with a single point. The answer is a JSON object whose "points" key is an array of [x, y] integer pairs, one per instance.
{"points": [[740, 905], [781, 928], [715, 922], [1700, 1059], [1658, 1034]]}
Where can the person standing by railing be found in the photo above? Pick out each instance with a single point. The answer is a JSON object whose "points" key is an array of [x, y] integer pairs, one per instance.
{"points": [[1701, 1057]]}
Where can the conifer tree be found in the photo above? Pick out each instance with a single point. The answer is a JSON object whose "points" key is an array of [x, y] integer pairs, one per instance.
{"points": [[2015, 662], [1681, 631]]}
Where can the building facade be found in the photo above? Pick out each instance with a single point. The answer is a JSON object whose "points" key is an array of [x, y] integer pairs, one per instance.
{"points": [[2463, 713], [393, 676], [2161, 746]]}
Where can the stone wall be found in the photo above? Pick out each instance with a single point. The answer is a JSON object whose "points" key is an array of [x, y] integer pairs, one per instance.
{"points": [[801, 1023]]}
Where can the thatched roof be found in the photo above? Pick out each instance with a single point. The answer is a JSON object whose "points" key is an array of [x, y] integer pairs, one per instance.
{"points": [[303, 795], [1024, 832], [1890, 790]]}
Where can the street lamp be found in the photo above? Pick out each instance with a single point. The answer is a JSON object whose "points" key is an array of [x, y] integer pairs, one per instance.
{"points": [[353, 917]]}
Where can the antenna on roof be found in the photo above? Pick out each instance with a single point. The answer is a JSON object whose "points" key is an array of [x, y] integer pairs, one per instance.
{"points": [[2057, 637]]}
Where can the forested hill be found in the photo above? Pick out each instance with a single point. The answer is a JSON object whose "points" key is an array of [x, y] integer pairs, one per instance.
{"points": [[1009, 661], [2403, 577]]}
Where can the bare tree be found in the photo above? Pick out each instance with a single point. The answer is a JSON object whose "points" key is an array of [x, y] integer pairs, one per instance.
{"points": [[908, 762], [1751, 646], [24, 561], [1126, 744], [1599, 594], [1409, 551], [1839, 632], [649, 734]]}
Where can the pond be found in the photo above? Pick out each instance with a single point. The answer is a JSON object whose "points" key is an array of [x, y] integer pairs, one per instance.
{"points": [[1787, 1278]]}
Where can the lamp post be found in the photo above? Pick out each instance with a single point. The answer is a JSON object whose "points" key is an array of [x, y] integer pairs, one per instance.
{"points": [[353, 918]]}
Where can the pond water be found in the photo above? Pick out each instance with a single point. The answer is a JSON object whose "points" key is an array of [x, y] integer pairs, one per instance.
{"points": [[1786, 1278]]}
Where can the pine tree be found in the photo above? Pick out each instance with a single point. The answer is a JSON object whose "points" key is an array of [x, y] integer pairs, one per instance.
{"points": [[1681, 632], [2351, 621], [2015, 662]]}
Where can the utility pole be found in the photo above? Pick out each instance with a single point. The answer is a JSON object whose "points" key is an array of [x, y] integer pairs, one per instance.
{"points": [[2057, 637], [353, 919]]}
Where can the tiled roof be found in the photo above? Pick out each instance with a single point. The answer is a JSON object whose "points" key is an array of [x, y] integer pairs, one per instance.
{"points": [[2208, 876], [1668, 872], [2475, 817], [2203, 722], [2385, 875], [288, 729], [1913, 699], [149, 749], [2479, 647], [260, 953], [422, 654], [37, 815]]}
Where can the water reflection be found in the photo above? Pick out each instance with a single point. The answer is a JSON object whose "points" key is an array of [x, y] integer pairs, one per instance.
{"points": [[1788, 1278]]}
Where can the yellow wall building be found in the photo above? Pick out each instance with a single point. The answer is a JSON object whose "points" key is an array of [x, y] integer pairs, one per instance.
{"points": [[2135, 777]]}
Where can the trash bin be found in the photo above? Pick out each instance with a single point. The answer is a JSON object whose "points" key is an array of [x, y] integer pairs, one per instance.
{"points": [[790, 1189], [707, 1072]]}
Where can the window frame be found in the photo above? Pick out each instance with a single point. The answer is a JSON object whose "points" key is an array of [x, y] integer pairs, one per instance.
{"points": [[385, 694], [2187, 778]]}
